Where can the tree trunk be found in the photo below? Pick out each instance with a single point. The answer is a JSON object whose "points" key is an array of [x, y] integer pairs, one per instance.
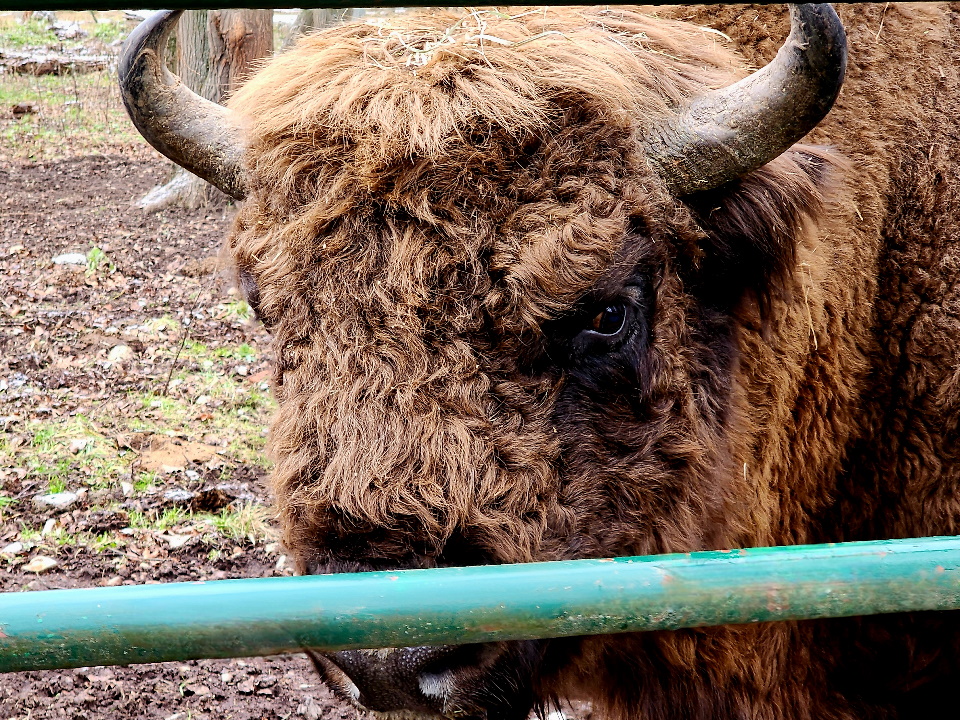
{"points": [[238, 38], [215, 51], [312, 19]]}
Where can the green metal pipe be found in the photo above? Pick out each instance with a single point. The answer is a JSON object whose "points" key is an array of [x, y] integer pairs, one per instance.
{"points": [[267, 616]]}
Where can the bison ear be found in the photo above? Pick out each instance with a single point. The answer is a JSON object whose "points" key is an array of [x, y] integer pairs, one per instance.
{"points": [[752, 226]]}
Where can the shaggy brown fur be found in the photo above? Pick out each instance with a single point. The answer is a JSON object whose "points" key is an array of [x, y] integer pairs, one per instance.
{"points": [[437, 210]]}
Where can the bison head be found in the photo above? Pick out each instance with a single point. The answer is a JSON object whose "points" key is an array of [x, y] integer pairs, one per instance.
{"points": [[505, 261]]}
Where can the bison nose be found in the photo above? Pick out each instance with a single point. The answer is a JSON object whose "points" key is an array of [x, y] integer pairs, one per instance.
{"points": [[411, 678]]}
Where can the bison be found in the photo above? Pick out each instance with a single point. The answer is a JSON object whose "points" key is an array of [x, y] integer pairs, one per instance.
{"points": [[552, 284]]}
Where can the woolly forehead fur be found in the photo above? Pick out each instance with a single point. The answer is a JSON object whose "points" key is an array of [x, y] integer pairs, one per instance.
{"points": [[410, 87], [533, 121]]}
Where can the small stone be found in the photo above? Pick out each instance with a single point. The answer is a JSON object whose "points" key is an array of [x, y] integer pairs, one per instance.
{"points": [[14, 548], [77, 445], [202, 400], [58, 501], [126, 488], [226, 677], [40, 563], [246, 687], [68, 30], [70, 259], [309, 709], [119, 353], [112, 582], [175, 541], [242, 370], [178, 496]]}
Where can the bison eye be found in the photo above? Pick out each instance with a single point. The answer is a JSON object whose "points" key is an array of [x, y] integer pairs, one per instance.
{"points": [[598, 328], [610, 320]]}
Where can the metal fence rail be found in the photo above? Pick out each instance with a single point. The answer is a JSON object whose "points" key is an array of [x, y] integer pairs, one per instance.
{"points": [[268, 616]]}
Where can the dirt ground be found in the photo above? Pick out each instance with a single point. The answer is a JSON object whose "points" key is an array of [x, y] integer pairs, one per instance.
{"points": [[64, 403], [133, 408]]}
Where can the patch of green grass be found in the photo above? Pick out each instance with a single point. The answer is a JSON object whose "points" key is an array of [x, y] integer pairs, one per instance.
{"points": [[27, 33], [163, 404], [61, 452], [244, 352], [255, 399], [29, 535], [6, 502], [171, 517], [57, 484], [104, 541], [43, 437], [198, 352], [77, 114], [235, 411], [59, 537], [162, 324], [146, 479], [159, 521], [109, 31], [248, 522], [205, 373], [97, 259], [236, 310], [195, 350], [50, 454], [55, 469]]}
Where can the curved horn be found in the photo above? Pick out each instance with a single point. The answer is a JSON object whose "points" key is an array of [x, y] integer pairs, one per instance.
{"points": [[726, 133], [197, 134]]}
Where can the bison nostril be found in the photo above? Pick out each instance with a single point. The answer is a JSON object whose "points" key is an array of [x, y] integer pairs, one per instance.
{"points": [[393, 679]]}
